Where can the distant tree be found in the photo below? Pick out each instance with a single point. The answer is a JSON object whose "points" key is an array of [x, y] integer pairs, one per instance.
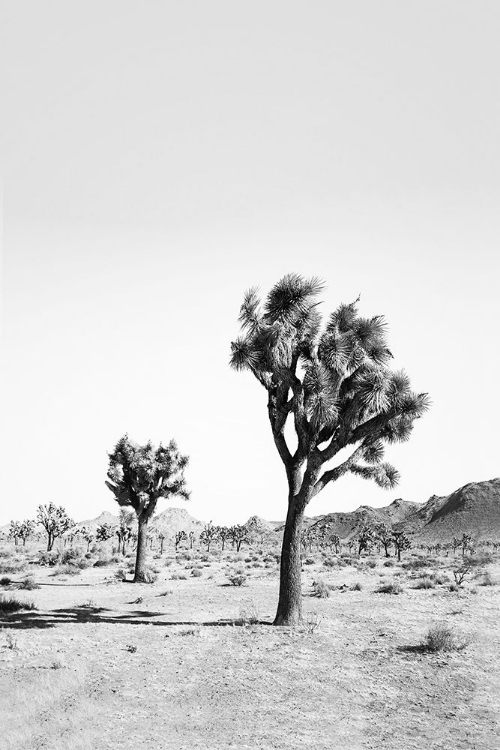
{"points": [[87, 534], [466, 544], [238, 534], [366, 539], [124, 531], [456, 544], [104, 532], [209, 535], [55, 521], [138, 477], [180, 536], [335, 384], [27, 529], [400, 542], [223, 535], [192, 537], [162, 537], [383, 534], [15, 531]]}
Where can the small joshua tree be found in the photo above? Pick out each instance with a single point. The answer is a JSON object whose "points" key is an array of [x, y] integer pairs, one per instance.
{"points": [[400, 542], [383, 534], [366, 539], [466, 544], [125, 529], [223, 535], [55, 521], [209, 535], [87, 535], [180, 536], [238, 534], [192, 537], [15, 531], [139, 476], [27, 529], [334, 382]]}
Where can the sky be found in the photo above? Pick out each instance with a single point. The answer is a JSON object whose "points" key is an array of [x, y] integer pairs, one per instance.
{"points": [[160, 158]]}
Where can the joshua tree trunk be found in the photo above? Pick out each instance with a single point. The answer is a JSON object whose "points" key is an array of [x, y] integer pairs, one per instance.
{"points": [[50, 541], [140, 560], [290, 599]]}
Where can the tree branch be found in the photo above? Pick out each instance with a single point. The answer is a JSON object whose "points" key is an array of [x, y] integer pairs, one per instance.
{"points": [[332, 474]]}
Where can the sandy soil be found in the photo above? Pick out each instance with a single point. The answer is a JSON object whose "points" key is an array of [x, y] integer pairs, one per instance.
{"points": [[96, 667]]}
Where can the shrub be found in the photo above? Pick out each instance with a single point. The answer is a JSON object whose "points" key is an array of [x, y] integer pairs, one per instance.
{"points": [[249, 614], [150, 576], [121, 574], [329, 562], [425, 583], [486, 580], [103, 562], [10, 604], [5, 581], [389, 563], [309, 561], [389, 588], [48, 559], [237, 579], [371, 563], [356, 587], [321, 589], [178, 577], [28, 584], [196, 572], [442, 637], [66, 570]]}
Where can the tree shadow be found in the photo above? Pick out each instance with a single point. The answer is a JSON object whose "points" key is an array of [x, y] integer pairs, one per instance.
{"points": [[99, 615]]}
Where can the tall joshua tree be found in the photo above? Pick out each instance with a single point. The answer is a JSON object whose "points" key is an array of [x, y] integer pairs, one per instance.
{"points": [[333, 381], [139, 476]]}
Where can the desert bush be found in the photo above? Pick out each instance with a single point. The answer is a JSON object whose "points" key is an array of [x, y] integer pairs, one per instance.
{"points": [[462, 572], [103, 562], [389, 563], [5, 581], [178, 577], [28, 584], [309, 561], [371, 563], [237, 579], [312, 622], [356, 587], [10, 604], [14, 566], [66, 570], [167, 592], [150, 576], [121, 574], [486, 579], [424, 583], [393, 587], [249, 614], [416, 563], [196, 572], [442, 637], [320, 589], [330, 562]]}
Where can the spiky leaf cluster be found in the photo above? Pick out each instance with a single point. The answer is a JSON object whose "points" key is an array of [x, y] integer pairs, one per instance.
{"points": [[139, 475], [333, 376]]}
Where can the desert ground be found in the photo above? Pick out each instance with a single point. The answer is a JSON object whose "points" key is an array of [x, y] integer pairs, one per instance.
{"points": [[192, 661]]}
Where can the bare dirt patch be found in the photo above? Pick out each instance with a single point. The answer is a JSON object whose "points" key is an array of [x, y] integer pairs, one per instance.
{"points": [[195, 663]]}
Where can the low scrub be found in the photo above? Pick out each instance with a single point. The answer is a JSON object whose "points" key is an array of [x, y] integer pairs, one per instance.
{"points": [[237, 579], [321, 589], [389, 588], [9, 604], [28, 584], [442, 637], [424, 583]]}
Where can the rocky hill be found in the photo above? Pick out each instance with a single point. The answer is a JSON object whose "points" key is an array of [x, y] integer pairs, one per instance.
{"points": [[172, 520], [348, 525], [104, 517], [473, 509]]}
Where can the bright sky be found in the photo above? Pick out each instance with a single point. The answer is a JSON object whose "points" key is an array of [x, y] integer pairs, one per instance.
{"points": [[159, 158]]}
